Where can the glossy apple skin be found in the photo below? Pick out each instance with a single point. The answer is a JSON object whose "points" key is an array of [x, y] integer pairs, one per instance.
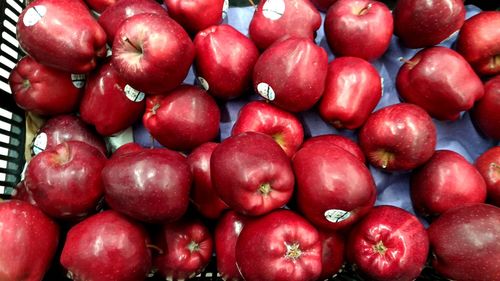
{"points": [[112, 18], [195, 15], [66, 37], [450, 84], [287, 247], [65, 181], [251, 173], [228, 74], [295, 69], [359, 28], [353, 89], [323, 5], [465, 244], [64, 128], [152, 53], [445, 182], [127, 148], [389, 244], [183, 119], [150, 185], [488, 164], [100, 5], [299, 18], [421, 23], [107, 246], [187, 248], [106, 105], [478, 42], [284, 127], [333, 255], [203, 195], [398, 137], [29, 241], [337, 140], [43, 90], [330, 178], [226, 235], [486, 112]]}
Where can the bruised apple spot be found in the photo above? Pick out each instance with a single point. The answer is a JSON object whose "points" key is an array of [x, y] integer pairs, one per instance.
{"points": [[383, 157], [265, 188]]}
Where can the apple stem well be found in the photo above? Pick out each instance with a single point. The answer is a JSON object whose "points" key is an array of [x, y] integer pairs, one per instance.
{"points": [[193, 246], [293, 251], [265, 188], [139, 49], [380, 248]]}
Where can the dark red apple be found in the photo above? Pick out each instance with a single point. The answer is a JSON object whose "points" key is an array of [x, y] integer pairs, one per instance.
{"points": [[43, 90], [224, 74], [182, 119], [196, 15], [488, 164], [337, 140], [279, 246], [422, 23], [464, 243], [478, 42], [127, 148], [359, 28], [61, 34], [291, 74], [107, 246], [100, 5], [203, 195], [251, 173], [187, 249], [333, 256], [389, 244], [398, 137], [65, 181], [29, 241], [449, 83], [323, 5], [486, 112], [150, 185], [284, 127], [353, 88], [22, 194], [334, 188], [152, 53]]}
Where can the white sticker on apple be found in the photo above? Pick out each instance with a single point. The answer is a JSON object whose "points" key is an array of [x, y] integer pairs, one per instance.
{"points": [[78, 80], [34, 15], [133, 95], [225, 7], [335, 215], [273, 9], [266, 91], [203, 82], [40, 143]]}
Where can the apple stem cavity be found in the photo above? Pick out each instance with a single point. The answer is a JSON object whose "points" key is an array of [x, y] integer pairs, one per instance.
{"points": [[293, 251], [154, 247], [193, 246], [139, 49], [380, 248], [265, 188]]}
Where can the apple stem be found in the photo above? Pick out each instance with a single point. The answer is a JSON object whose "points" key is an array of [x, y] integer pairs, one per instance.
{"points": [[365, 9], [155, 108], [251, 3], [131, 44], [160, 250], [411, 63]]}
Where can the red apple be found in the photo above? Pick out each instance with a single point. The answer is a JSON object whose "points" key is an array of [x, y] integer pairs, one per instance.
{"points": [[42, 89], [203, 195], [196, 15], [449, 83], [323, 5], [398, 137], [422, 23], [291, 74], [284, 127], [182, 119], [337, 140], [100, 5], [251, 173], [334, 188], [389, 244], [152, 53], [478, 42], [61, 34], [22, 194], [359, 28], [65, 181], [486, 112], [332, 257], [279, 246], [109, 103], [488, 164], [445, 182], [275, 20], [187, 249], [150, 185], [107, 246], [29, 241], [224, 74], [353, 89], [127, 148], [464, 242]]}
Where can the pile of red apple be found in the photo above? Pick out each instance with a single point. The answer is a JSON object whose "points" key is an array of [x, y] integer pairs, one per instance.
{"points": [[269, 202]]}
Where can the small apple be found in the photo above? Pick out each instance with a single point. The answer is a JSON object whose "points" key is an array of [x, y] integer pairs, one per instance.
{"points": [[488, 164], [486, 111]]}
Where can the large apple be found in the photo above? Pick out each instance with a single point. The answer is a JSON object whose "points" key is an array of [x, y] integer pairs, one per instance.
{"points": [[196, 15], [488, 164], [449, 83], [486, 112], [337, 140], [359, 28], [61, 34], [333, 257], [291, 74]]}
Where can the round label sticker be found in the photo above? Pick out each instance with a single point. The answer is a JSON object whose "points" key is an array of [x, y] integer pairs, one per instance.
{"points": [[40, 143], [78, 80], [266, 91], [335, 215], [225, 7], [204, 83], [133, 95], [273, 9], [34, 15]]}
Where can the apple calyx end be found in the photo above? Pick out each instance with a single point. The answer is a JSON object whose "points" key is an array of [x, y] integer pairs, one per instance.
{"points": [[154, 247], [26, 84], [293, 251], [380, 248], [265, 188], [193, 246]]}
